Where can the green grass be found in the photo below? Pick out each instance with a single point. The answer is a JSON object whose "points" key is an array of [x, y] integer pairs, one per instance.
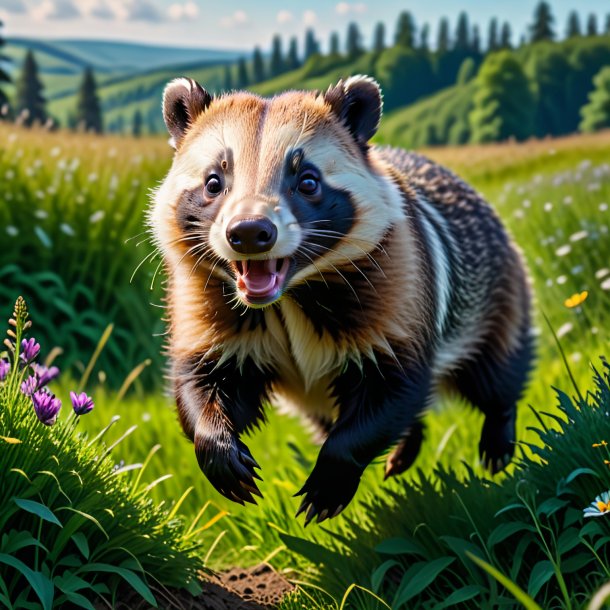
{"points": [[570, 174]]}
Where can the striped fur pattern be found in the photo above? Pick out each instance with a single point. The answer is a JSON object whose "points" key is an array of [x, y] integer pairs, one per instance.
{"points": [[343, 281]]}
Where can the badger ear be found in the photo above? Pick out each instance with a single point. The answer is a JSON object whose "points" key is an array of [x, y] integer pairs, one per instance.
{"points": [[357, 102], [183, 101]]}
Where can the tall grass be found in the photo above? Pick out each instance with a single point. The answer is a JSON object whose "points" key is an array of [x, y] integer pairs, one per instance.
{"points": [[71, 219]]}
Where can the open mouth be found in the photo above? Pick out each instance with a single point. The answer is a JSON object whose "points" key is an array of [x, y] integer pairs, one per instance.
{"points": [[260, 282]]}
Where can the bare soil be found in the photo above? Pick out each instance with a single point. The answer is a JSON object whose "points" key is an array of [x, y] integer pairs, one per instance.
{"points": [[258, 588]]}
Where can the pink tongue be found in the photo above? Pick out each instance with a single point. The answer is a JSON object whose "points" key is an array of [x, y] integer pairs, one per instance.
{"points": [[259, 278]]}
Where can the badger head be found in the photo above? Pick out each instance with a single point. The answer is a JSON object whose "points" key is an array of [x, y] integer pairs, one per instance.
{"points": [[266, 194]]}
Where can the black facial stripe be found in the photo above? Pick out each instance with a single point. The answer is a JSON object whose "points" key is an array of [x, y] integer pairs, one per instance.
{"points": [[324, 220]]}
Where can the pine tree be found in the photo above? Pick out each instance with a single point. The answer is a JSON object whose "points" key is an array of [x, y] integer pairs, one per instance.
{"points": [[443, 36], [504, 105], [475, 40], [292, 59], [311, 47], [227, 84], [542, 28], [29, 101], [136, 124], [4, 78], [596, 114], [492, 36], [573, 28], [242, 80], [405, 30], [334, 44], [88, 111], [424, 34], [276, 64], [592, 25], [379, 37], [353, 44], [258, 66], [462, 33], [506, 36], [607, 28]]}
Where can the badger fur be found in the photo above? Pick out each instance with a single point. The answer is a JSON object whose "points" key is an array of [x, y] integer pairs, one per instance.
{"points": [[314, 271]]}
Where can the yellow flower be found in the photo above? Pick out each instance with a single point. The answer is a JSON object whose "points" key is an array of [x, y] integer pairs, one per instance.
{"points": [[576, 299], [600, 444]]}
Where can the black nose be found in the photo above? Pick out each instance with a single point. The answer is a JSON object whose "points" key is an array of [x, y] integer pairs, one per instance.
{"points": [[251, 234]]}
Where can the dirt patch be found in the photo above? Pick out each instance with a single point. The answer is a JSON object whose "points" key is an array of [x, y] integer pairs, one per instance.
{"points": [[258, 588]]}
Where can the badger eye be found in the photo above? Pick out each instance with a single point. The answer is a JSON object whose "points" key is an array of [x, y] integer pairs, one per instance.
{"points": [[213, 185], [309, 183]]}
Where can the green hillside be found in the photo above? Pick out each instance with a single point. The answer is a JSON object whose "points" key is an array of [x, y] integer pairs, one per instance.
{"points": [[61, 63]]}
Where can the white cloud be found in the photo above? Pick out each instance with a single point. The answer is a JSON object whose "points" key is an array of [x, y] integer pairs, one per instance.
{"points": [[55, 9], [309, 18], [284, 17], [345, 8], [16, 7], [138, 10], [238, 18], [183, 12]]}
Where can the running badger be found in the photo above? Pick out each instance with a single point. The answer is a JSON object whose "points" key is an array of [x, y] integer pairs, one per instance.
{"points": [[312, 270]]}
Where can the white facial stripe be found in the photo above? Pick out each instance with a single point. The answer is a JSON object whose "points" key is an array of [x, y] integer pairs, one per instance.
{"points": [[440, 259]]}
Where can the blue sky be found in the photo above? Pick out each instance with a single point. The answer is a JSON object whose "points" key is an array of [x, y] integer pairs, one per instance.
{"points": [[243, 24]]}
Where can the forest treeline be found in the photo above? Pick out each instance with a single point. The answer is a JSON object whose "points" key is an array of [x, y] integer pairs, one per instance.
{"points": [[465, 86]]}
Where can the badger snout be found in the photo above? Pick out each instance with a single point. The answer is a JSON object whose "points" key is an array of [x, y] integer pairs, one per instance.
{"points": [[249, 234]]}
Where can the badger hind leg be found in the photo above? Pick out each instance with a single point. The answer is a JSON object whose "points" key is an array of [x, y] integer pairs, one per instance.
{"points": [[406, 452], [494, 383]]}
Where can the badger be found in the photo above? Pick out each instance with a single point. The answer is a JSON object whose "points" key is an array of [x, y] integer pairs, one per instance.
{"points": [[311, 270]]}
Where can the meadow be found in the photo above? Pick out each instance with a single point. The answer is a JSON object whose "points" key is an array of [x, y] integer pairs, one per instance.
{"points": [[73, 244]]}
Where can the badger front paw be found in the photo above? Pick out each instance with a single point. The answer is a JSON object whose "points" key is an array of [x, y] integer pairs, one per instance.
{"points": [[229, 466], [329, 489]]}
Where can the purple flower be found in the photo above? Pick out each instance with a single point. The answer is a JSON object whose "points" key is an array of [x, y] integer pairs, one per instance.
{"points": [[44, 374], [81, 402], [30, 385], [29, 350], [46, 406], [5, 367]]}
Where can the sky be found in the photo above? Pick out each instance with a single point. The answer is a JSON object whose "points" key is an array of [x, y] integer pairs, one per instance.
{"points": [[242, 24]]}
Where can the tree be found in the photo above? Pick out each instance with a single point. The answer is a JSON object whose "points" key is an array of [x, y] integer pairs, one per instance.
{"points": [[136, 124], [353, 43], [227, 78], [242, 80], [542, 27], [4, 78], [276, 64], [492, 36], [596, 114], [424, 34], [503, 102], [506, 36], [311, 46], [292, 59], [379, 37], [592, 25], [467, 71], [548, 68], [258, 66], [475, 40], [607, 28], [462, 33], [443, 36], [88, 111], [334, 43], [573, 28], [405, 30], [29, 101]]}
